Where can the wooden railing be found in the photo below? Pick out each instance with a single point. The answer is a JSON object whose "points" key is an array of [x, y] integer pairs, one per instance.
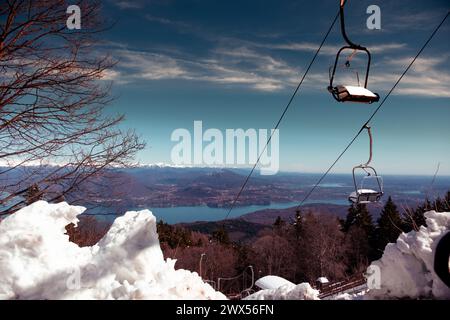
{"points": [[329, 289]]}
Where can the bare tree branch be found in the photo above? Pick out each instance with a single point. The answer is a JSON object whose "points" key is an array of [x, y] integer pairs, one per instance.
{"points": [[53, 100]]}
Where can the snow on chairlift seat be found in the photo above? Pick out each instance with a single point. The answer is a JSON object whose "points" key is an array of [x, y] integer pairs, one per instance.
{"points": [[365, 196], [356, 94]]}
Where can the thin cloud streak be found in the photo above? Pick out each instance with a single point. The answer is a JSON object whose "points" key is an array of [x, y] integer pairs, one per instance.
{"points": [[128, 4], [260, 68]]}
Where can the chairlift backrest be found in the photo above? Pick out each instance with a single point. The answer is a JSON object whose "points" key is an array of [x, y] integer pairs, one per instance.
{"points": [[336, 63], [371, 182]]}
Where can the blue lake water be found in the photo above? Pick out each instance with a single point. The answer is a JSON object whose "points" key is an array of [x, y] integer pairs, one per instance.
{"points": [[204, 213]]}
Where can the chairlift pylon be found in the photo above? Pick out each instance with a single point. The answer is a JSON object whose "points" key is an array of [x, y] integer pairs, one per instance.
{"points": [[363, 195], [348, 93]]}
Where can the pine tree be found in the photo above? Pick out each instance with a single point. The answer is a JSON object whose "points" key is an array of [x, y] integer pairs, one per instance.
{"points": [[174, 237], [364, 219], [359, 216], [447, 202], [359, 227], [389, 225], [221, 236], [278, 222], [298, 225], [349, 219], [413, 219], [279, 226], [419, 213]]}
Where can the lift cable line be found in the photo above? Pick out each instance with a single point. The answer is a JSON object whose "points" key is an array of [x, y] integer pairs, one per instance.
{"points": [[366, 124], [282, 116], [354, 138]]}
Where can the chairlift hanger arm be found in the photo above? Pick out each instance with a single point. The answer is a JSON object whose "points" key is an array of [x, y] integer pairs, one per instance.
{"points": [[344, 33], [341, 93], [369, 132]]}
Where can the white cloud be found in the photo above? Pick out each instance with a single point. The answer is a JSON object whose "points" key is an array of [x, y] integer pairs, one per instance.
{"points": [[148, 66], [111, 75], [261, 68], [382, 48], [128, 4], [420, 20], [263, 73], [158, 19], [427, 77], [329, 49]]}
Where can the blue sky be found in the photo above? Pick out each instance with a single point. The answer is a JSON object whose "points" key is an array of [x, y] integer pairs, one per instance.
{"points": [[234, 64]]}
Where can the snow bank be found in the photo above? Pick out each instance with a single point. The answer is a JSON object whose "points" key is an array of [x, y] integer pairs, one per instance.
{"points": [[406, 267], [303, 291], [37, 260], [350, 296]]}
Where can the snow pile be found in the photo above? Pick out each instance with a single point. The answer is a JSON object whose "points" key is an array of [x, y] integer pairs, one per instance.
{"points": [[406, 267], [302, 291], [37, 260], [271, 282], [350, 296], [406, 270]]}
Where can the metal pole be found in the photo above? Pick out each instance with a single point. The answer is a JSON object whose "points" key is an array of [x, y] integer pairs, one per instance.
{"points": [[200, 265]]}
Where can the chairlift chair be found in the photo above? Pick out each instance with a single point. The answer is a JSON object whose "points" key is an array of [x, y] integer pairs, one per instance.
{"points": [[362, 194], [348, 93]]}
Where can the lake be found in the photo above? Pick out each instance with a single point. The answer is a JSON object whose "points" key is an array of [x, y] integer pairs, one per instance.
{"points": [[204, 213]]}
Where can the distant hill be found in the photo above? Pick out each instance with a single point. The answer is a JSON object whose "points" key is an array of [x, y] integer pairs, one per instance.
{"points": [[268, 216], [239, 230], [159, 186], [246, 227]]}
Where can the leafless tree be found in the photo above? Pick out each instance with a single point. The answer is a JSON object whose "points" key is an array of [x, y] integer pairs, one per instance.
{"points": [[53, 95], [219, 260], [88, 231], [321, 250], [274, 255]]}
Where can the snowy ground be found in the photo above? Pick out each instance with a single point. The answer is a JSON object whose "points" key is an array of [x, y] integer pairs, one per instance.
{"points": [[404, 271], [406, 267], [37, 261], [302, 291]]}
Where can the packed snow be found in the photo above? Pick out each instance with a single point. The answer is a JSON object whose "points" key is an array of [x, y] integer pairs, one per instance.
{"points": [[405, 270], [359, 91], [37, 260], [271, 282], [322, 280], [302, 291], [406, 267]]}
